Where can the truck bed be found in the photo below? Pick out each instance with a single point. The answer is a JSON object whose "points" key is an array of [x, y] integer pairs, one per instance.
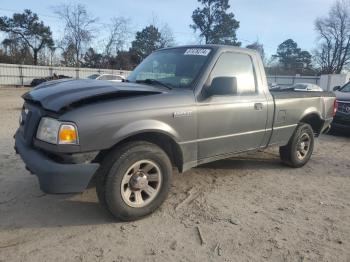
{"points": [[292, 107]]}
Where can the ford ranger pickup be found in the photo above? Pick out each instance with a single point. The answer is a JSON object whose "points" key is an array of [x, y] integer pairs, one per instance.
{"points": [[181, 107]]}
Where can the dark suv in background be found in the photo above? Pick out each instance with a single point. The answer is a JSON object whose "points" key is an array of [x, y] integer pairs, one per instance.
{"points": [[341, 120]]}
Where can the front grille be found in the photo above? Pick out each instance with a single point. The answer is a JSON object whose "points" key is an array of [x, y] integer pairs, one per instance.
{"points": [[31, 116], [344, 107]]}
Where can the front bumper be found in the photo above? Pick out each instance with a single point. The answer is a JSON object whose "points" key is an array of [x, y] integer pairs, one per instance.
{"points": [[340, 126], [341, 121], [54, 177]]}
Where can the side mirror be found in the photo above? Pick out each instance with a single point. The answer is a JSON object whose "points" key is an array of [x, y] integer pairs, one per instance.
{"points": [[336, 88], [223, 86]]}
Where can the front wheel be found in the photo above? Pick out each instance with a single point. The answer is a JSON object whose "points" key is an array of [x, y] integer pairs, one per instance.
{"points": [[134, 180], [299, 148]]}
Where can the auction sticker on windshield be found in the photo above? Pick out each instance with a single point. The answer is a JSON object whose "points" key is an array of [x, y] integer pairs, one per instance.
{"points": [[197, 51]]}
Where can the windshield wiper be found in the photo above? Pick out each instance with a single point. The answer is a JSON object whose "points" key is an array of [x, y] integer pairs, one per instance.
{"points": [[155, 82]]}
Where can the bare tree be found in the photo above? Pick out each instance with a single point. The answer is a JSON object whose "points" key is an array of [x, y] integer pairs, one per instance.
{"points": [[258, 47], [168, 38], [167, 35], [79, 29], [333, 52], [118, 37]]}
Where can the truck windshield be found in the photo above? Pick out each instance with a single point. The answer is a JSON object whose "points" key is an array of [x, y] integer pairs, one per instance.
{"points": [[178, 67], [345, 88]]}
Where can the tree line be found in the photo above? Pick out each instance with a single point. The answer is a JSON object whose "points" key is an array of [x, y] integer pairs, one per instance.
{"points": [[29, 41]]}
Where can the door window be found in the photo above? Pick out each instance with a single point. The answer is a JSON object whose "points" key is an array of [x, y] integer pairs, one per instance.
{"points": [[239, 66]]}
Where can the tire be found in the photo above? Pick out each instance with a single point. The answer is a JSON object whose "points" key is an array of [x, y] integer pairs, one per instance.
{"points": [[123, 170], [299, 148]]}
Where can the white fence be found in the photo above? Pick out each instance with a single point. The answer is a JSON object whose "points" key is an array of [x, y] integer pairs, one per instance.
{"points": [[20, 75]]}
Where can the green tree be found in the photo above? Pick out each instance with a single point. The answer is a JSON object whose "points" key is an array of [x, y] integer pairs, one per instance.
{"points": [[305, 58], [290, 56], [287, 53], [125, 60], [27, 28], [93, 59], [146, 41], [215, 24], [15, 52], [290, 60], [68, 56]]}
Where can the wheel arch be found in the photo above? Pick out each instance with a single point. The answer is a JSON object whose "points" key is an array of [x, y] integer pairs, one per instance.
{"points": [[314, 120], [158, 137]]}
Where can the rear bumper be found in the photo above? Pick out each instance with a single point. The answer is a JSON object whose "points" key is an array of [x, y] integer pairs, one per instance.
{"points": [[54, 177]]}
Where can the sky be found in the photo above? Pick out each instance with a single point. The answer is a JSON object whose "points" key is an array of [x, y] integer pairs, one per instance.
{"points": [[269, 21]]}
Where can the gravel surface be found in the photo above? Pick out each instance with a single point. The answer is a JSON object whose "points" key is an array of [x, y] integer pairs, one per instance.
{"points": [[248, 208]]}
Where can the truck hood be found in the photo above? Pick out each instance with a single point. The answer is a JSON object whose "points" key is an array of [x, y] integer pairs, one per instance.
{"points": [[64, 94], [342, 96]]}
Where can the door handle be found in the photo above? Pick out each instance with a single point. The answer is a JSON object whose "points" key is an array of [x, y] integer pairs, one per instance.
{"points": [[258, 106]]}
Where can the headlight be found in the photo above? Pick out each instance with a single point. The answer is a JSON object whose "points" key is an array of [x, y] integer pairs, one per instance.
{"points": [[48, 130], [52, 131]]}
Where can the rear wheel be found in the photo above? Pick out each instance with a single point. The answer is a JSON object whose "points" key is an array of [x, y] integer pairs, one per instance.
{"points": [[299, 148], [134, 180]]}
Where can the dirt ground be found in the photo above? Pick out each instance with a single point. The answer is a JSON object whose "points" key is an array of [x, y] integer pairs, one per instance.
{"points": [[249, 208]]}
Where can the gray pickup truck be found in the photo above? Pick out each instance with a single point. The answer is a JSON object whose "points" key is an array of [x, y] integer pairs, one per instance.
{"points": [[181, 107]]}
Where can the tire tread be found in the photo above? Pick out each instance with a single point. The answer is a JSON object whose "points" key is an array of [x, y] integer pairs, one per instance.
{"points": [[105, 178], [287, 152]]}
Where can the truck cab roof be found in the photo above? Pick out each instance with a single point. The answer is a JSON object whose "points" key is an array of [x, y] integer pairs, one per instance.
{"points": [[216, 48]]}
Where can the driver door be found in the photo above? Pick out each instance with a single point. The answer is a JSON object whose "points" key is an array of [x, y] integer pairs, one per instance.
{"points": [[235, 122]]}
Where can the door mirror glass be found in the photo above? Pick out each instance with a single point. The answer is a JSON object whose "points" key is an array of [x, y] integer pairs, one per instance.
{"points": [[223, 86]]}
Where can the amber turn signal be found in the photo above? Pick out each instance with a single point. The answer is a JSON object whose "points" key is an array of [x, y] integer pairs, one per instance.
{"points": [[68, 134]]}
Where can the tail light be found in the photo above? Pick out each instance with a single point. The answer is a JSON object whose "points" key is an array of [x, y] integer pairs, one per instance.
{"points": [[335, 107]]}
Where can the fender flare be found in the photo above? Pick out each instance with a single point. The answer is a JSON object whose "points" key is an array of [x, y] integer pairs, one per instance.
{"points": [[144, 126]]}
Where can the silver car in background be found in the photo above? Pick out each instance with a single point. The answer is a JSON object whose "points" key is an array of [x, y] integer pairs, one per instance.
{"points": [[306, 87], [107, 77], [296, 87]]}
